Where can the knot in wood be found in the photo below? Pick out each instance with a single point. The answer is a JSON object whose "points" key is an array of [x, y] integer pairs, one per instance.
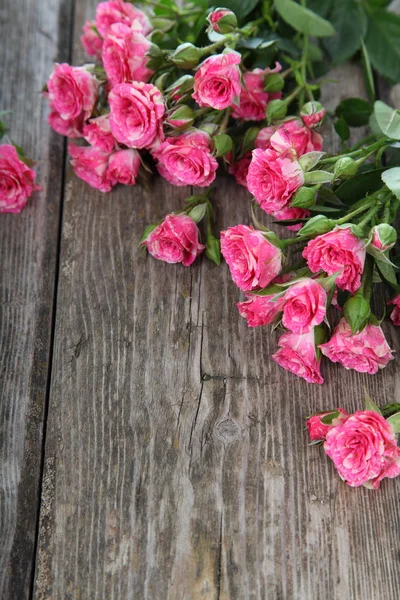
{"points": [[227, 429]]}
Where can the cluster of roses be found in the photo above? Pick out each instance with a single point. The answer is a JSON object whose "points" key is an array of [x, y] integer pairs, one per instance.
{"points": [[362, 446]]}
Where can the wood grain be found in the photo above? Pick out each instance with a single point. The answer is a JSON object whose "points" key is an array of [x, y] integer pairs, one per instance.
{"points": [[176, 464], [33, 34]]}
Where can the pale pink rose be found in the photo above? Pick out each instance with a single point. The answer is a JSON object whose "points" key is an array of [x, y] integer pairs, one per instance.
{"points": [[240, 169], [252, 259], [71, 128], [253, 100], [365, 352], [297, 355], [293, 213], [175, 240], [136, 113], [260, 310], [124, 55], [17, 181], [217, 80], [304, 306], [91, 41], [364, 449], [294, 134], [123, 167], [395, 314], [98, 133], [318, 430], [72, 91], [186, 159], [118, 11], [338, 250], [91, 165], [273, 178]]}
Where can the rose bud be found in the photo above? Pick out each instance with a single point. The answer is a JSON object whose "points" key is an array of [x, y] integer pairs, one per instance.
{"points": [[276, 110], [185, 56], [357, 310], [180, 87], [175, 240], [274, 82], [383, 237], [297, 354], [365, 352], [304, 197], [17, 180], [395, 314], [364, 449], [312, 114], [319, 425], [180, 117], [345, 167], [222, 21]]}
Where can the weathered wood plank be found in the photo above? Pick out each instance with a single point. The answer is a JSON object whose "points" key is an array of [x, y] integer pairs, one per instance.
{"points": [[176, 462], [33, 34]]}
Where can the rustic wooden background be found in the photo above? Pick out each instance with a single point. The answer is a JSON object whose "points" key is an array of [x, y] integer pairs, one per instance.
{"points": [[150, 448]]}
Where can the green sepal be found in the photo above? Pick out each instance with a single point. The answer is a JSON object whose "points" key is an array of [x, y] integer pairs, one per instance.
{"points": [[213, 248], [147, 232], [370, 404]]}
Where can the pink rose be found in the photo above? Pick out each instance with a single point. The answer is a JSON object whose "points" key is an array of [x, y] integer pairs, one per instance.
{"points": [[187, 159], [297, 355], [292, 134], [98, 133], [383, 237], [318, 430], [17, 181], [217, 81], [338, 250], [260, 310], [273, 178], [304, 306], [91, 165], [292, 213], [312, 114], [264, 136], [222, 20], [175, 240], [91, 40], [136, 112], [365, 352], [71, 128], [72, 91], [252, 259], [123, 167], [253, 100], [118, 11], [364, 449], [395, 314], [240, 169], [124, 55]]}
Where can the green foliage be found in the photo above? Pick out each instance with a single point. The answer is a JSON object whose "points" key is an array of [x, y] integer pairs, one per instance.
{"points": [[302, 19], [350, 23], [383, 42], [388, 119], [359, 186], [355, 111], [241, 8]]}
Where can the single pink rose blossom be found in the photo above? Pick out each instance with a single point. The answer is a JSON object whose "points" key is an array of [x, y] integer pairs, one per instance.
{"points": [[91, 164], [186, 159], [240, 169], [273, 178], [253, 100], [292, 213], [124, 55], [364, 449], [98, 133], [338, 250], [72, 91], [175, 240], [297, 355], [17, 181], [292, 134], [395, 314], [365, 352], [304, 306], [91, 41], [260, 310], [136, 112], [252, 259], [118, 11], [123, 167], [217, 80], [318, 430], [71, 128]]}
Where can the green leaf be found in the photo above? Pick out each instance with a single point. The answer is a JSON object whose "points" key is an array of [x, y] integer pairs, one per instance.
{"points": [[370, 404], [350, 22], [391, 178], [390, 409], [383, 42], [213, 250], [387, 272], [198, 212], [240, 8], [314, 177], [147, 232], [327, 195], [302, 19], [321, 7], [327, 419], [388, 119], [369, 76], [394, 421], [222, 143], [310, 160], [342, 129], [359, 186], [355, 111]]}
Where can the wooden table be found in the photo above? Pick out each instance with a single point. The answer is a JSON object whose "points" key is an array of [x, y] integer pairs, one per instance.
{"points": [[150, 449]]}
